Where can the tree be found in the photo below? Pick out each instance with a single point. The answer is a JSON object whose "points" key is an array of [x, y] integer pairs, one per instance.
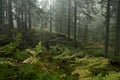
{"points": [[79, 27], [29, 13], [10, 13], [87, 21], [25, 13], [61, 16], [1, 16], [117, 30], [50, 17], [75, 22], [69, 18], [107, 28]]}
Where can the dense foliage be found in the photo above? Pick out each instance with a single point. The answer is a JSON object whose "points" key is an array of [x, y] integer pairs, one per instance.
{"points": [[59, 39], [61, 62]]}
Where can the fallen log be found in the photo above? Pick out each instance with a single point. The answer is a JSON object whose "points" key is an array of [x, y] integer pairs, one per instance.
{"points": [[114, 63]]}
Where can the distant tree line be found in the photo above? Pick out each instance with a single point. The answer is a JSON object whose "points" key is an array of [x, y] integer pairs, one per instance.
{"points": [[87, 21]]}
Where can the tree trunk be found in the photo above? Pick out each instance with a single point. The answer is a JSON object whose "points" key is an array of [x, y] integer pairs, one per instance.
{"points": [[10, 13], [10, 18], [79, 28], [87, 22], [107, 28], [22, 18], [75, 22], [50, 18], [50, 22], [69, 19], [1, 12], [117, 30], [86, 31], [29, 16], [26, 16]]}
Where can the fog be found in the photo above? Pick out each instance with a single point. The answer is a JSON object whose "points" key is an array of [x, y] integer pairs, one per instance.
{"points": [[59, 39]]}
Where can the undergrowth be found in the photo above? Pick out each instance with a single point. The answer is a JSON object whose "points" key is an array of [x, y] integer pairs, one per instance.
{"points": [[61, 62]]}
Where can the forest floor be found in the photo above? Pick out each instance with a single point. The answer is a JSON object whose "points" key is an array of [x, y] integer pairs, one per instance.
{"points": [[55, 58]]}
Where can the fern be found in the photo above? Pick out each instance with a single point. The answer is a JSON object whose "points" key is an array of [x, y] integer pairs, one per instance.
{"points": [[92, 62], [8, 61], [37, 50], [83, 73], [10, 47], [90, 66], [110, 76], [64, 55], [34, 54]]}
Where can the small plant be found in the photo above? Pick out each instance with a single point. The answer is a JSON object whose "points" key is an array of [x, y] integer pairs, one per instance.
{"points": [[89, 66], [110, 76], [7, 49], [34, 54], [4, 39], [64, 55], [20, 55]]}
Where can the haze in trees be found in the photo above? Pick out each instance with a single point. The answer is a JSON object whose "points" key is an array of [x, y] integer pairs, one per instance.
{"points": [[59, 39]]}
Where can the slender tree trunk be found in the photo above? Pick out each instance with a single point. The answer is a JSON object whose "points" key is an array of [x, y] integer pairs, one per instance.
{"points": [[29, 15], [42, 22], [10, 19], [10, 13], [75, 22], [86, 31], [50, 22], [1, 12], [107, 28], [42, 18], [22, 17], [6, 13], [117, 30], [50, 18], [56, 22], [18, 18], [86, 37], [69, 19], [3, 5], [26, 16], [79, 28]]}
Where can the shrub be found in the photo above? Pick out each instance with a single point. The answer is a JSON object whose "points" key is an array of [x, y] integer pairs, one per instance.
{"points": [[110, 76], [90, 66], [34, 54], [9, 48]]}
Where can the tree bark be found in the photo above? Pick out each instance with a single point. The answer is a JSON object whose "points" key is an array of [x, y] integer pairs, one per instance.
{"points": [[79, 28], [3, 3], [25, 15], [10, 13], [117, 30], [50, 18], [107, 29], [86, 31], [87, 22], [69, 19], [10, 18], [1, 12], [29, 16], [75, 22]]}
